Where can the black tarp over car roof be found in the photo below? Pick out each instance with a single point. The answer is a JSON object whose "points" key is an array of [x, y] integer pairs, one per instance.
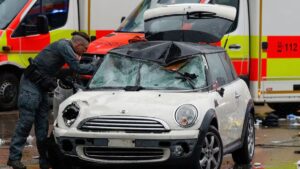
{"points": [[165, 52]]}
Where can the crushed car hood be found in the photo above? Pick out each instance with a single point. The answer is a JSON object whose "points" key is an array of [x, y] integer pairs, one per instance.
{"points": [[143, 103]]}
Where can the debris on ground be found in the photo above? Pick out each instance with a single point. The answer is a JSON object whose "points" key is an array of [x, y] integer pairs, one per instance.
{"points": [[271, 121]]}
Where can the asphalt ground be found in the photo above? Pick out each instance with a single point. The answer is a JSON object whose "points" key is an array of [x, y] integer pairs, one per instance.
{"points": [[276, 147]]}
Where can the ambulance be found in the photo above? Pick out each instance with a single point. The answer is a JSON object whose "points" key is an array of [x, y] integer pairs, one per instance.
{"points": [[263, 44], [27, 26]]}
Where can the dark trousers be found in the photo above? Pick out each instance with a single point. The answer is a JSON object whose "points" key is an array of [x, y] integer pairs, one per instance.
{"points": [[33, 109]]}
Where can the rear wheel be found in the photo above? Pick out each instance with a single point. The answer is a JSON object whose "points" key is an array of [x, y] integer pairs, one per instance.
{"points": [[210, 153], [245, 154], [9, 85]]}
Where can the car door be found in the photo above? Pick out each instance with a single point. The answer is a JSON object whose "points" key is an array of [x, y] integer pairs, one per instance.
{"points": [[226, 104]]}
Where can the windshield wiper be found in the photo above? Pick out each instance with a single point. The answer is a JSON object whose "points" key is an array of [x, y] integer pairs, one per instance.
{"points": [[189, 77], [133, 88], [200, 15]]}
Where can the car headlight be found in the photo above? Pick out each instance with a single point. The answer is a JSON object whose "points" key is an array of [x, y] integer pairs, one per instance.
{"points": [[70, 114], [186, 115]]}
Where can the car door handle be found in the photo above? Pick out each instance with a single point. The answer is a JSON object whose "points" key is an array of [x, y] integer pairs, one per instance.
{"points": [[234, 47], [237, 95]]}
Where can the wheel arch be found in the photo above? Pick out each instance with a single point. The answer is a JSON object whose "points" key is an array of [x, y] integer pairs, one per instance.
{"points": [[11, 68], [209, 119]]}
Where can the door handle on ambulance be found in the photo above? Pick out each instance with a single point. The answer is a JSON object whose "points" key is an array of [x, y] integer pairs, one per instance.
{"points": [[234, 47]]}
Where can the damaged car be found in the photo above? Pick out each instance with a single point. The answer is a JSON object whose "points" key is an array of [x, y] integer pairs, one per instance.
{"points": [[164, 101]]}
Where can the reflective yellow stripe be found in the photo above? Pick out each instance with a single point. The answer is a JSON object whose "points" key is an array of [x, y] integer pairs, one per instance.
{"points": [[64, 34], [21, 59], [60, 34], [283, 67], [3, 40]]}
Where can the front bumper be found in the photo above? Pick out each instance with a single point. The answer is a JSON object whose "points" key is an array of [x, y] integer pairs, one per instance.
{"points": [[127, 148]]}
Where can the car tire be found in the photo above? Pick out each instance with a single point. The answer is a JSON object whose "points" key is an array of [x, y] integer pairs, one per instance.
{"points": [[56, 158], [210, 153], [9, 87], [245, 154]]}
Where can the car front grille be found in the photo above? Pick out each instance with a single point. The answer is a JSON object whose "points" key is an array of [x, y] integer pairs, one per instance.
{"points": [[126, 124], [123, 154]]}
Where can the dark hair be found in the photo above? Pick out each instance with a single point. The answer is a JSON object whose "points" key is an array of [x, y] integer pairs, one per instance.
{"points": [[82, 34]]}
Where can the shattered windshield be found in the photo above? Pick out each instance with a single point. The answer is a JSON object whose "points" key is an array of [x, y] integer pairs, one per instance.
{"points": [[118, 71], [8, 10], [194, 27], [135, 21]]}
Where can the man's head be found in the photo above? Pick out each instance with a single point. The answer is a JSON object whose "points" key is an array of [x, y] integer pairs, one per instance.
{"points": [[80, 42]]}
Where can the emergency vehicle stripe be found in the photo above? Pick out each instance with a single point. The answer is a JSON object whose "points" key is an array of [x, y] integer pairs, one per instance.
{"points": [[59, 34], [283, 47], [21, 61], [254, 69], [1, 33], [3, 57], [241, 66], [283, 68]]}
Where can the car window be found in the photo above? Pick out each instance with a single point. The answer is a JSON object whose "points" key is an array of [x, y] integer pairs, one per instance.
{"points": [[230, 71], [56, 12], [216, 69], [117, 71]]}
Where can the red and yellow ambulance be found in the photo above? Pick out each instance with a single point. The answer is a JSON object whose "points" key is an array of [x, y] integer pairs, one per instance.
{"points": [[27, 26]]}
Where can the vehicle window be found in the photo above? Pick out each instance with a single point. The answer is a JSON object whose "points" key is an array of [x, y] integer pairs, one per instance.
{"points": [[233, 3], [135, 21], [56, 12], [217, 70], [9, 9], [228, 67], [119, 71]]}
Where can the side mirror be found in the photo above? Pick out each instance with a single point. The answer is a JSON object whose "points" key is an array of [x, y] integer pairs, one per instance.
{"points": [[123, 18], [42, 24]]}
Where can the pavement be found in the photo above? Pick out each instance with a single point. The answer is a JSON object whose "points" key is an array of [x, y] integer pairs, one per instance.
{"points": [[276, 147]]}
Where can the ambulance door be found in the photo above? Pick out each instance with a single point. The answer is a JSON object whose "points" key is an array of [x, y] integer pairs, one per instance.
{"points": [[280, 59], [236, 42], [29, 38]]}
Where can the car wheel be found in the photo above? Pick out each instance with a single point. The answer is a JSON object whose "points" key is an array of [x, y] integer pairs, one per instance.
{"points": [[245, 154], [56, 158], [209, 154], [9, 84]]}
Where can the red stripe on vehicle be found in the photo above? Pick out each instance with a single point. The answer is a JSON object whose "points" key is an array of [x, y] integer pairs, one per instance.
{"points": [[101, 33], [241, 67], [254, 67], [30, 43], [283, 47], [3, 58], [1, 32]]}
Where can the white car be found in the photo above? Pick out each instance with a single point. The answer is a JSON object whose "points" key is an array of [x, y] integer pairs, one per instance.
{"points": [[160, 102]]}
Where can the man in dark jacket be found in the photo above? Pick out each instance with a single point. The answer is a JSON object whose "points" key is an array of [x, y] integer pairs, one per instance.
{"points": [[38, 79]]}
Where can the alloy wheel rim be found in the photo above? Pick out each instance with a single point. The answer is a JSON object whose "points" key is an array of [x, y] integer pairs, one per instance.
{"points": [[7, 92], [250, 137], [210, 156]]}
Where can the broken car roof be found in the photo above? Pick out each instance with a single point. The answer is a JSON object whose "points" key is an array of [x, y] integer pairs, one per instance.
{"points": [[165, 52]]}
